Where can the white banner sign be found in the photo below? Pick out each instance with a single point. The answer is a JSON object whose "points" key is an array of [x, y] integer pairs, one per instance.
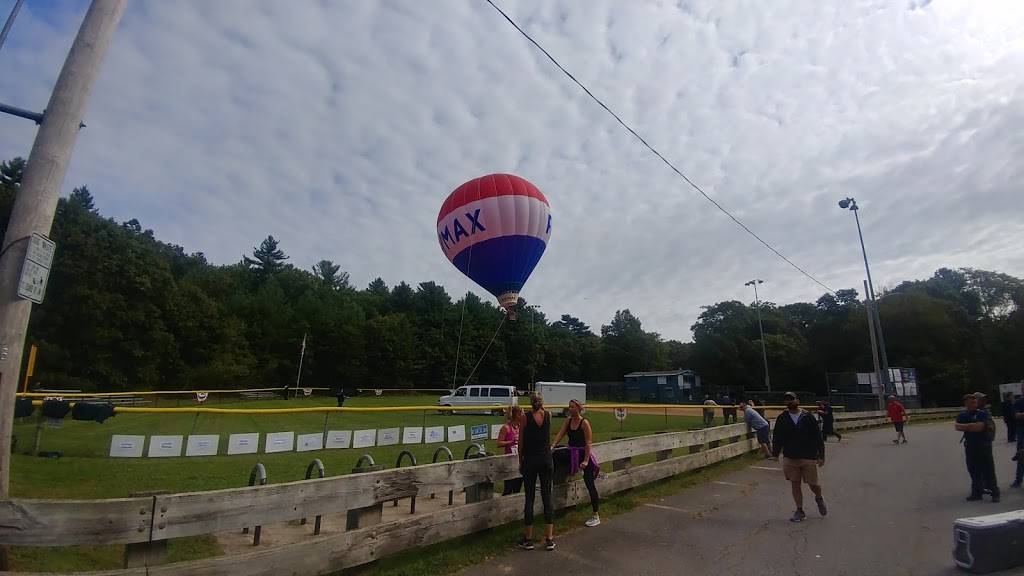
{"points": [[338, 439], [248, 443], [412, 435], [279, 442], [164, 446], [364, 438], [126, 446], [307, 442], [495, 430], [435, 434], [388, 436], [457, 433], [202, 445]]}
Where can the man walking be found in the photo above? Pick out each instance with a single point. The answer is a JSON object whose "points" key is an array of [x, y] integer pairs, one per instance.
{"points": [[978, 432], [898, 415], [798, 438], [760, 427], [1009, 417]]}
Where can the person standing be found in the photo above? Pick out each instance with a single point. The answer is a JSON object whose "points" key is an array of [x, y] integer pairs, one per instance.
{"points": [[828, 421], [798, 438], [898, 415], [1009, 417], [1018, 457], [760, 427], [508, 440], [729, 411], [976, 424], [535, 463], [581, 436], [709, 413]]}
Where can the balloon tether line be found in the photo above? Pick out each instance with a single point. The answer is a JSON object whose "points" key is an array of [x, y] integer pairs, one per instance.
{"points": [[462, 320], [484, 355]]}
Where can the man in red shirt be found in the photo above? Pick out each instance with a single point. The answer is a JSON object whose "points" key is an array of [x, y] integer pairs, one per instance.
{"points": [[898, 415]]}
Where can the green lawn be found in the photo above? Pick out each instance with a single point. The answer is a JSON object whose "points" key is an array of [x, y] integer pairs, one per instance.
{"points": [[85, 471]]}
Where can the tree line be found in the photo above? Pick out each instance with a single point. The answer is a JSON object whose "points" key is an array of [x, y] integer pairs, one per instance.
{"points": [[125, 311]]}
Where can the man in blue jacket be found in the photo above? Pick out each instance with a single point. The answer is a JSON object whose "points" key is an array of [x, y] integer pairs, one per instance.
{"points": [[979, 431], [798, 438]]}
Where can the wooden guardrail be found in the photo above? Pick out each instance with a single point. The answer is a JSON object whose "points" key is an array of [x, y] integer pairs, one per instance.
{"points": [[153, 519]]}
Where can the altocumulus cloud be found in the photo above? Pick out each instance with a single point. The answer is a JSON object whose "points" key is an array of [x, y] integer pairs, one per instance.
{"points": [[339, 127]]}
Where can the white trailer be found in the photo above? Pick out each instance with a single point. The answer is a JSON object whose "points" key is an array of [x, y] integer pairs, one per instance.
{"points": [[559, 393], [1015, 388]]}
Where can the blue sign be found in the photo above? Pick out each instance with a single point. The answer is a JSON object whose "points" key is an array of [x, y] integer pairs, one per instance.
{"points": [[479, 432]]}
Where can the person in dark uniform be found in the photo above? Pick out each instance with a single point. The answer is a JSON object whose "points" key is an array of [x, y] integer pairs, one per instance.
{"points": [[976, 425], [581, 435], [828, 421], [535, 463], [1009, 417]]}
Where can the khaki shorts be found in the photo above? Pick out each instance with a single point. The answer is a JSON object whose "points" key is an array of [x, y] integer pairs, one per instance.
{"points": [[797, 469]]}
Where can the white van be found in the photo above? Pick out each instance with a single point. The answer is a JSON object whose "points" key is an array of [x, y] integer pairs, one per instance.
{"points": [[479, 395], [559, 394]]}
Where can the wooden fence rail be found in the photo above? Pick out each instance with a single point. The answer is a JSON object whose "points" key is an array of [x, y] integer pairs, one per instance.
{"points": [[152, 519]]}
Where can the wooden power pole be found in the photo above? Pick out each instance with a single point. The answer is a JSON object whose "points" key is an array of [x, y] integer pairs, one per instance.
{"points": [[37, 197]]}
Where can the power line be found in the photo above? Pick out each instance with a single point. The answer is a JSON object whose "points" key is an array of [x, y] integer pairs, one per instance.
{"points": [[655, 151]]}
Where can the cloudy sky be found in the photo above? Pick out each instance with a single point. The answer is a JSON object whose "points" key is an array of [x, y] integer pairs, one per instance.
{"points": [[339, 127]]}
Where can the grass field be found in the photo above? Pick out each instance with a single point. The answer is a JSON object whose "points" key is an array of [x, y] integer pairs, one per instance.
{"points": [[85, 471]]}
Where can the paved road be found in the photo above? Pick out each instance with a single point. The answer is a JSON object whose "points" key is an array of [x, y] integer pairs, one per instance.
{"points": [[891, 514]]}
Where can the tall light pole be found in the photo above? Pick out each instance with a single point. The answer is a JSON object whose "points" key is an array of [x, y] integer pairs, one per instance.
{"points": [[851, 204], [760, 327]]}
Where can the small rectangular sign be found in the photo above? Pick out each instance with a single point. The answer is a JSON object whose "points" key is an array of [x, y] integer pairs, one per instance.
{"points": [[164, 446], [457, 433], [126, 446], [412, 435], [202, 445], [32, 284], [338, 439], [307, 442], [478, 432], [495, 430], [435, 434], [248, 443], [40, 250], [364, 438], [279, 442], [388, 436]]}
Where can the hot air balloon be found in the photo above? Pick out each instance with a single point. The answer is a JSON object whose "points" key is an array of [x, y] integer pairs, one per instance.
{"points": [[494, 229]]}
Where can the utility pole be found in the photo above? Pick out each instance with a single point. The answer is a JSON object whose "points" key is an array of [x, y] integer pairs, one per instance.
{"points": [[37, 197], [760, 327], [874, 346]]}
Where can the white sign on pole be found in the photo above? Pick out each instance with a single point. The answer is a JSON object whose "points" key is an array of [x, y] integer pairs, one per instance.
{"points": [[495, 430], [364, 438], [244, 443], [307, 442], [164, 446], [388, 436], [435, 434], [412, 435], [279, 442], [620, 414], [202, 445], [457, 433], [338, 439], [126, 446], [36, 268]]}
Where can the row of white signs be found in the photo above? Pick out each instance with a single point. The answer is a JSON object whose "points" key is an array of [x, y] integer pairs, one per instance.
{"points": [[131, 446]]}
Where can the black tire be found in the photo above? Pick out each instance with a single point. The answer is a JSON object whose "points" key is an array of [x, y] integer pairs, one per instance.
{"points": [[447, 412], [498, 412]]}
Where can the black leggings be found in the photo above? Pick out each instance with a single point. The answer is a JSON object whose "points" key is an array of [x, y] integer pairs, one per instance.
{"points": [[534, 468], [588, 479]]}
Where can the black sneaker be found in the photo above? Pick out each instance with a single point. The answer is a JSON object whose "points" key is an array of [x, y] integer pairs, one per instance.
{"points": [[798, 516], [973, 498], [821, 506], [995, 498], [549, 544], [525, 544]]}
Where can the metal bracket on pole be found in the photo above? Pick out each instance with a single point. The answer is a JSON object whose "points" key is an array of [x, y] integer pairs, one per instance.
{"points": [[36, 117]]}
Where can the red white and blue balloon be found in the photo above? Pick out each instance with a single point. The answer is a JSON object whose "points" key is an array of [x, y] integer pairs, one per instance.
{"points": [[494, 229]]}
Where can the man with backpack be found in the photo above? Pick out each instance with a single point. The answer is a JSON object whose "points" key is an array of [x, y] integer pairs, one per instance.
{"points": [[979, 431]]}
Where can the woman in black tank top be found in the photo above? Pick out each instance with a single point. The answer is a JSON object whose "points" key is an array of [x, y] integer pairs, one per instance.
{"points": [[580, 435], [535, 464]]}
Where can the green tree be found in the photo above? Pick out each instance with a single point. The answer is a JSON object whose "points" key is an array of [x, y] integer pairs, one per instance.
{"points": [[267, 258]]}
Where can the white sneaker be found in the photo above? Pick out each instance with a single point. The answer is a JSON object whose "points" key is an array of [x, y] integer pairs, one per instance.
{"points": [[594, 520]]}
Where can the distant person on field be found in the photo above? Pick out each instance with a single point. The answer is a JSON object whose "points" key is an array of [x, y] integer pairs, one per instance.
{"points": [[581, 436], [1018, 412], [508, 439], [729, 412], [898, 415], [709, 413], [535, 463], [977, 426], [828, 421], [1009, 417], [339, 394], [760, 427], [798, 438]]}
